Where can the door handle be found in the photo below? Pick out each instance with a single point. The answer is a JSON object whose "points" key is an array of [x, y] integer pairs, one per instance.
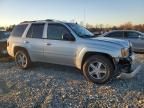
{"points": [[26, 42], [48, 44]]}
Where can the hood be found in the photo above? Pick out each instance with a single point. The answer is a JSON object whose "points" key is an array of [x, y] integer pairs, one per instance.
{"points": [[121, 42], [108, 42]]}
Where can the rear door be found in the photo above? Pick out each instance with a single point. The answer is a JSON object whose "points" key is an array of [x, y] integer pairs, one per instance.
{"points": [[34, 41], [135, 39]]}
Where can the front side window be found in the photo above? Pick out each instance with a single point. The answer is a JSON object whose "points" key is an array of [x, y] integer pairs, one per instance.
{"points": [[19, 30], [115, 35], [56, 31], [132, 35], [35, 31]]}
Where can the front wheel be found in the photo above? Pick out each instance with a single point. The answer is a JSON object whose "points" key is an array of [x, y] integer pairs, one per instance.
{"points": [[98, 69], [22, 59]]}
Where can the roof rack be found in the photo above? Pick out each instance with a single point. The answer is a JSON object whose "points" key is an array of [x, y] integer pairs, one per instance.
{"points": [[27, 21], [37, 21], [49, 20]]}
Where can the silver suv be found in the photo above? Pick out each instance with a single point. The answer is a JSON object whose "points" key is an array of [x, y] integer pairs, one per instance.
{"points": [[69, 44]]}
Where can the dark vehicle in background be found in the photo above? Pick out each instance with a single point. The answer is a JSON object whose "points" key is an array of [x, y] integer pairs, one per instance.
{"points": [[3, 42], [96, 34], [135, 37]]}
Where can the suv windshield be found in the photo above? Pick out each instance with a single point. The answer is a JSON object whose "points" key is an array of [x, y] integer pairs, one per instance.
{"points": [[80, 31]]}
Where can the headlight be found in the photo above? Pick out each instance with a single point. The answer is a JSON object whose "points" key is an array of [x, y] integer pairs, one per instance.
{"points": [[124, 52]]}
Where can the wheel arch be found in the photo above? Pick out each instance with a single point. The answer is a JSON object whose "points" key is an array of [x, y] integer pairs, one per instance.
{"points": [[89, 54], [28, 59], [16, 48]]}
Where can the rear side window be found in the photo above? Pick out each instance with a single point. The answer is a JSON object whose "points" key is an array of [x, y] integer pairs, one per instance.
{"points": [[19, 30], [131, 35], [36, 31], [115, 35]]}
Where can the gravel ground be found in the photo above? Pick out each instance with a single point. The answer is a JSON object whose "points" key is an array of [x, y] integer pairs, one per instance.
{"points": [[54, 86]]}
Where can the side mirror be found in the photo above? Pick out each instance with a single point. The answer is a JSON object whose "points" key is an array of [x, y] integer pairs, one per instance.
{"points": [[68, 37]]}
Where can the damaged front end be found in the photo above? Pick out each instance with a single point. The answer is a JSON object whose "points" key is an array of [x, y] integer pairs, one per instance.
{"points": [[124, 67]]}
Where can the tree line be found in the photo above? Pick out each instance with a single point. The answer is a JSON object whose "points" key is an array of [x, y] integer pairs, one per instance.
{"points": [[107, 28], [8, 28]]}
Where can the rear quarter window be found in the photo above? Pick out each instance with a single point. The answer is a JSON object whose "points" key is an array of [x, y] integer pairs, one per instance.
{"points": [[19, 30], [131, 35]]}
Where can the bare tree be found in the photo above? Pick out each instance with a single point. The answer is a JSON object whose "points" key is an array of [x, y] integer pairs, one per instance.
{"points": [[126, 26], [10, 28]]}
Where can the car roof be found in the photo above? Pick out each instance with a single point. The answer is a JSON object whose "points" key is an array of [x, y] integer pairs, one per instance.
{"points": [[124, 30], [121, 31]]}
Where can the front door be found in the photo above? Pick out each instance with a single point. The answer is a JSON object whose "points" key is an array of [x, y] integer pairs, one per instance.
{"points": [[56, 49], [116, 34]]}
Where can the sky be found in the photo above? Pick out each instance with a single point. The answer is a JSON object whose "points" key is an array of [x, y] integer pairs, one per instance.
{"points": [[111, 12]]}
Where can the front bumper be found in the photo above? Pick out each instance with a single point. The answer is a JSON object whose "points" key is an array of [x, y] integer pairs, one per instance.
{"points": [[124, 67], [125, 64]]}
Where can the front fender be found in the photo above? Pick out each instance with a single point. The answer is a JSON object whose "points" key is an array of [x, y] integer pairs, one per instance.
{"points": [[80, 55]]}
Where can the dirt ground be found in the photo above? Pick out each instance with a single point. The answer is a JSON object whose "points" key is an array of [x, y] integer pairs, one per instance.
{"points": [[55, 86]]}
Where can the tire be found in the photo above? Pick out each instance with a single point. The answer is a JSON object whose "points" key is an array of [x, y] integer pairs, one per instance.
{"points": [[22, 59], [98, 69]]}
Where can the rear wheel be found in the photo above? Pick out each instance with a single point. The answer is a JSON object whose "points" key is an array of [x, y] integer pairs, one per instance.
{"points": [[98, 69], [22, 59]]}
